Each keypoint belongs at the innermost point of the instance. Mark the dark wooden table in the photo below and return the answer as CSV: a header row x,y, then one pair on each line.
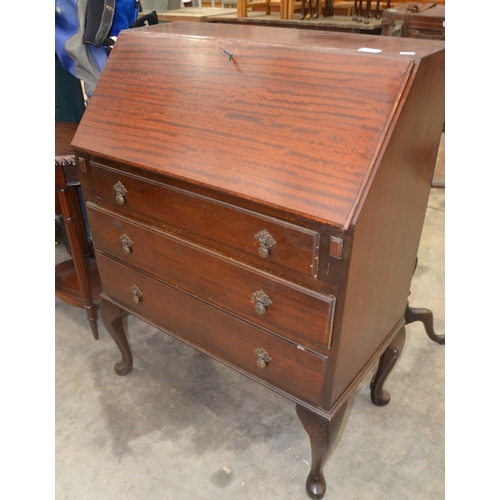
x,y
77,280
415,20
343,24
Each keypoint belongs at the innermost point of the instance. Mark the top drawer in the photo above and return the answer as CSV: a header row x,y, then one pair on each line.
x,y
264,237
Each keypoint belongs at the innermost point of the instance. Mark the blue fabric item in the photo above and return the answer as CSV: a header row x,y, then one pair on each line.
x,y
125,14
66,27
84,62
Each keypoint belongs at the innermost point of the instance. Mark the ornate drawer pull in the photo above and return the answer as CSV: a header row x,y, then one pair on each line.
x,y
126,244
120,193
263,357
261,301
266,241
136,294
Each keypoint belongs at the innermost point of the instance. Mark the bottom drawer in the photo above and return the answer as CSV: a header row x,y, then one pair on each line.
x,y
297,372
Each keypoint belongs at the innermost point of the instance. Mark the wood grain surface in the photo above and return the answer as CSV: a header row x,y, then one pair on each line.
x,y
298,371
258,125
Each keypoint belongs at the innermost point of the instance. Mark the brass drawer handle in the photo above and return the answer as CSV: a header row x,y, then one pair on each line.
x,y
136,294
263,357
261,301
266,241
120,193
126,244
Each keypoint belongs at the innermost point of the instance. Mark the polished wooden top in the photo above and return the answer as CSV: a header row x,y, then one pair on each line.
x,y
293,117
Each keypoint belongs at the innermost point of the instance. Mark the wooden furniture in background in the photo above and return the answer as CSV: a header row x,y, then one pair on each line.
x,y
310,9
242,6
270,215
341,24
415,20
193,14
76,280
341,8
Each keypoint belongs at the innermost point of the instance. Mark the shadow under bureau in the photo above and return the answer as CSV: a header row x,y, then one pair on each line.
x,y
259,194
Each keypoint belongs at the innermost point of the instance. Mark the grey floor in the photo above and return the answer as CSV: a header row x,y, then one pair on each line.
x,y
183,427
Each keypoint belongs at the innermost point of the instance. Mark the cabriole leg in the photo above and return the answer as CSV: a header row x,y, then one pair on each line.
x,y
413,314
322,434
379,395
114,318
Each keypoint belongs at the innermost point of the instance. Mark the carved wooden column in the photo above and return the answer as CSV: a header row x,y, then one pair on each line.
x,y
77,280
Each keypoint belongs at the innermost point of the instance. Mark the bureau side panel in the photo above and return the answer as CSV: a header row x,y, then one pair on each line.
x,y
386,231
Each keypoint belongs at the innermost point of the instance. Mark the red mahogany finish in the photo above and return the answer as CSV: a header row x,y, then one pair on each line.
x,y
260,193
77,279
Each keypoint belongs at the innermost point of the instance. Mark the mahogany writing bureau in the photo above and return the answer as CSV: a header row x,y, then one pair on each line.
x,y
259,193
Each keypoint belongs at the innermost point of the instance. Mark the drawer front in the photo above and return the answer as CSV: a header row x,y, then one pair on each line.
x,y
285,308
287,366
263,237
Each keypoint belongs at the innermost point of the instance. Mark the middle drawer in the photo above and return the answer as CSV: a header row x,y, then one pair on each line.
x,y
285,308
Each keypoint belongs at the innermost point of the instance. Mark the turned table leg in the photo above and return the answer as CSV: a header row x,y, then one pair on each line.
x,y
379,395
322,434
114,318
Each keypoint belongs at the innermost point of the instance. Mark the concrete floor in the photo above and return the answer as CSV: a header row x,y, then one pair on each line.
x,y
181,426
